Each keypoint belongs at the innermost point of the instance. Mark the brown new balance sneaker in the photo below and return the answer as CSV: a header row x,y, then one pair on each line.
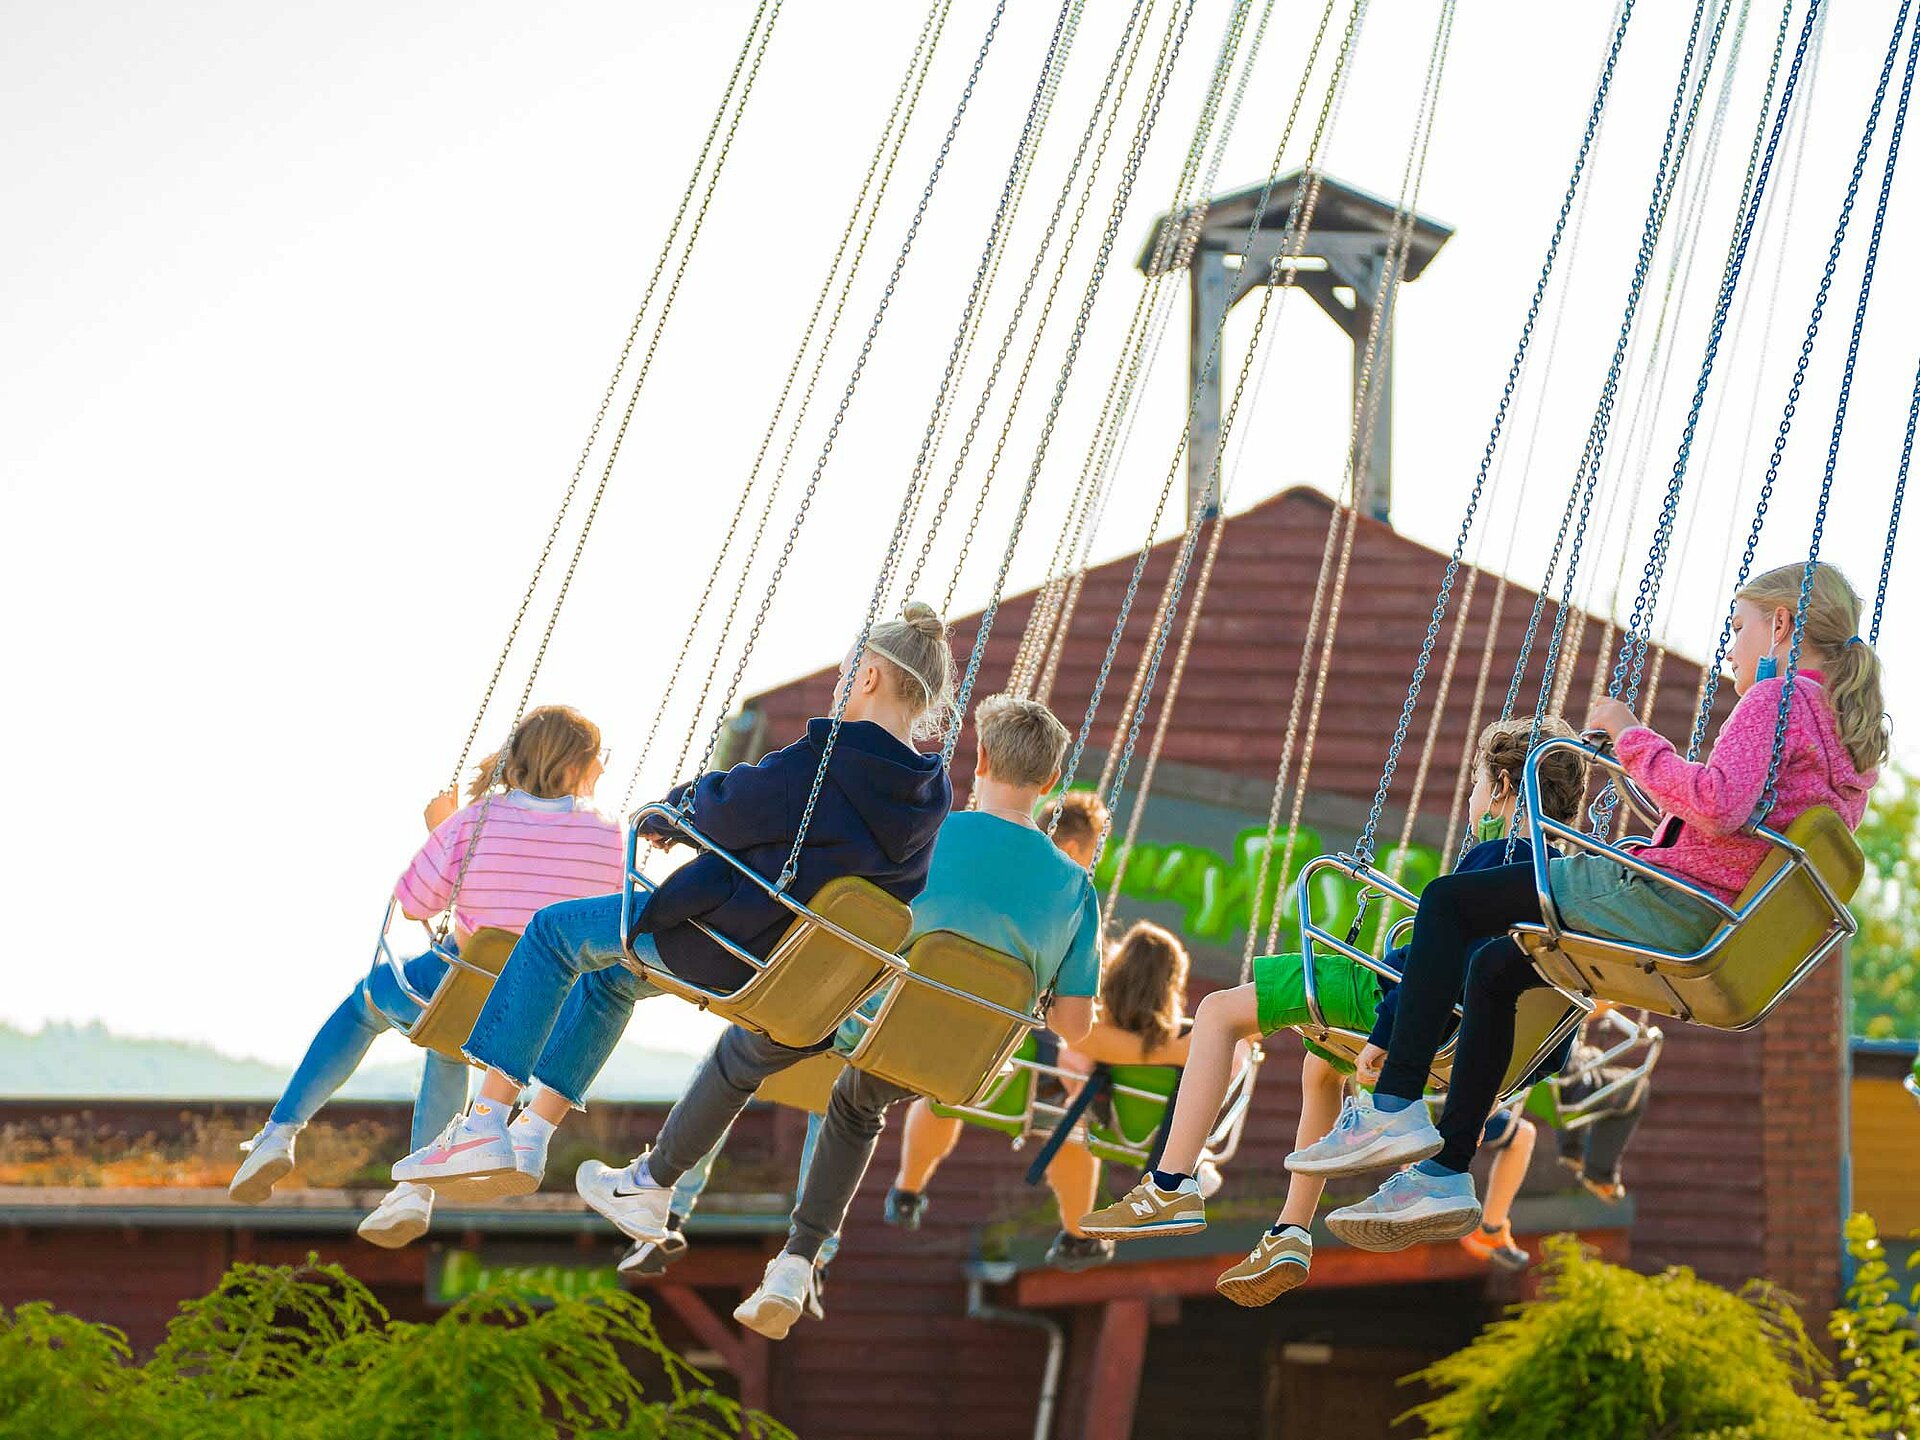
x,y
1277,1264
1148,1210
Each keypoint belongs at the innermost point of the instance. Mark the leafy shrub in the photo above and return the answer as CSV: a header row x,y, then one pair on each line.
x,y
1876,1391
310,1354
1606,1354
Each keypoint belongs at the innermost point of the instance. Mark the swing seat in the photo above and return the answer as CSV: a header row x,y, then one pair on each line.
x,y
838,950
1140,1095
1008,1103
806,1086
949,1024
448,1018
1790,916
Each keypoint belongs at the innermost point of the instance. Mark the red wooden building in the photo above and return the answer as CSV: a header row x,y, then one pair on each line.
x,y
1738,1170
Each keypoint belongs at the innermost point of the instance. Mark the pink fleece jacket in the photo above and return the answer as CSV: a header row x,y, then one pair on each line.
x,y
1699,837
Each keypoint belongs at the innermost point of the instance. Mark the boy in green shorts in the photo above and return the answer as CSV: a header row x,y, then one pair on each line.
x,y
1167,1200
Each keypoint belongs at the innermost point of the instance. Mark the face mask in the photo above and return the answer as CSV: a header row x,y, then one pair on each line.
x,y
1767,667
1491,827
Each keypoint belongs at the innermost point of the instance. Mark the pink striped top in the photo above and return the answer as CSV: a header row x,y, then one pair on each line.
x,y
532,852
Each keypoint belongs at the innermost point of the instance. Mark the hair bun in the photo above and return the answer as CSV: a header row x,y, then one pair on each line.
x,y
924,618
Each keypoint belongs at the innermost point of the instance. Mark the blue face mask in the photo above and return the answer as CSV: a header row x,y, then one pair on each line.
x,y
1767,667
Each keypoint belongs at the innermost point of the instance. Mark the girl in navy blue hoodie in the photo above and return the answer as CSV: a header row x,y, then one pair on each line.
x,y
564,998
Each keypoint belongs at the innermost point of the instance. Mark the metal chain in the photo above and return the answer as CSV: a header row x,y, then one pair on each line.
x,y
1164,64
606,473
906,101
613,386
792,865
1899,498
1146,550
1120,68
1594,113
1778,757
1801,365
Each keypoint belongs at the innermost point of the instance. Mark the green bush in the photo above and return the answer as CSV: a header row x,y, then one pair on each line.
x,y
1608,1354
310,1354
1876,1391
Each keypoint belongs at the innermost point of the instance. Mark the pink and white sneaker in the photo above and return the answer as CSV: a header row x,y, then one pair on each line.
x,y
529,1168
462,1152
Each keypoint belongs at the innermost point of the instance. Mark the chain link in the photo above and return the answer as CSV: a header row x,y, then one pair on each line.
x,y
1893,524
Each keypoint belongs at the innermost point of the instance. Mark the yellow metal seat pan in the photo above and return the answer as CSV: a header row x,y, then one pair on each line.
x,y
813,978
936,1044
1538,1021
447,1021
805,1086
1748,966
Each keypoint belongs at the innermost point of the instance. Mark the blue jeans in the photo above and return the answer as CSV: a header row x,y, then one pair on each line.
x,y
688,1189
562,1001
342,1042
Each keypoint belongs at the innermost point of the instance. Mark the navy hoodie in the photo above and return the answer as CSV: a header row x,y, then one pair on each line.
x,y
878,814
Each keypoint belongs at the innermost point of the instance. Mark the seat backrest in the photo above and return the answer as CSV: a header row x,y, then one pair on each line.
x,y
939,1045
1137,1118
1761,957
445,1024
805,1086
814,978
1540,1014
1007,1105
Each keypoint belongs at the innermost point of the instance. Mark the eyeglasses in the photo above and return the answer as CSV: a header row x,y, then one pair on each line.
x,y
606,756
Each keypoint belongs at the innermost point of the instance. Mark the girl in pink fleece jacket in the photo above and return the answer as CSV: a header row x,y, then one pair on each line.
x,y
1836,738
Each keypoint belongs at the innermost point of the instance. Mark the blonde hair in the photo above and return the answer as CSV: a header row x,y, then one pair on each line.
x,y
1503,749
1081,818
1024,741
1851,669
1143,985
550,748
914,654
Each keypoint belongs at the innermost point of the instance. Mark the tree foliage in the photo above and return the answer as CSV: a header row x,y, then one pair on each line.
x,y
1885,955
1875,1391
277,1353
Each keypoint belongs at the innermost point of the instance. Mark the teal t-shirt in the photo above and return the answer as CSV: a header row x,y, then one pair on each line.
x,y
1007,886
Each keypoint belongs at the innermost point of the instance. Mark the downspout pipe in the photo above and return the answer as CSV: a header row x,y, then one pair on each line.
x,y
979,1276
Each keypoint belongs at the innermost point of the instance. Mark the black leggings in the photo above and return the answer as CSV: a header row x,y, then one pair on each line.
x,y
1456,913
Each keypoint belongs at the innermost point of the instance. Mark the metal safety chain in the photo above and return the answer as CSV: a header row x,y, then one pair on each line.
x,y
1899,499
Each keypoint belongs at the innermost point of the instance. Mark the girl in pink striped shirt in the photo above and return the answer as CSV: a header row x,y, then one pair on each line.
x,y
1835,740
538,843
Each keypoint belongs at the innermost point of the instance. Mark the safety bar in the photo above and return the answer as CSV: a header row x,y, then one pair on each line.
x,y
1591,1107
660,977
1649,957
385,954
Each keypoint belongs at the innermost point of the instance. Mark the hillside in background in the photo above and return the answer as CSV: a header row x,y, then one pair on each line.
x,y
90,1061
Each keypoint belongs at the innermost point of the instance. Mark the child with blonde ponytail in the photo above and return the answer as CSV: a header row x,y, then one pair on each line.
x,y
1835,739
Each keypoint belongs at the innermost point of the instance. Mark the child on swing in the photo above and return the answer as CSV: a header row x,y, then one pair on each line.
x,y
541,842
564,996
1142,1021
1835,740
995,879
1167,1201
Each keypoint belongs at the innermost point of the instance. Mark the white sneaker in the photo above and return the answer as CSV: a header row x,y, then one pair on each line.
x,y
640,1211
401,1218
1410,1208
781,1298
529,1169
463,1151
1364,1138
269,1161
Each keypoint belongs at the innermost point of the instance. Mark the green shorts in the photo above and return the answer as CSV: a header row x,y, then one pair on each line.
x,y
1349,995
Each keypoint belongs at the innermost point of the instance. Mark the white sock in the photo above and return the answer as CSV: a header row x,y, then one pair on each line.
x,y
533,1127
281,1129
487,1117
641,1177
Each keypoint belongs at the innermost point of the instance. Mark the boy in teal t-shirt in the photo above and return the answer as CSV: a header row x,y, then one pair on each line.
x,y
996,879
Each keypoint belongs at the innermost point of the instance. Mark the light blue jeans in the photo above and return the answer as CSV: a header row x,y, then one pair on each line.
x,y
562,1001
342,1043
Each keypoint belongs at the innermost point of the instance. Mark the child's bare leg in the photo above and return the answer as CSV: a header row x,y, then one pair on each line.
x,y
1509,1170
1074,1177
1224,1019
926,1139
1320,1088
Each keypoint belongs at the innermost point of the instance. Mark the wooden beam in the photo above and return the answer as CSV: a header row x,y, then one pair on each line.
x,y
1333,1268
743,1352
1118,1357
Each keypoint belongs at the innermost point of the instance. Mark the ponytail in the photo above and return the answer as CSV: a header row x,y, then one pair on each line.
x,y
549,750
914,652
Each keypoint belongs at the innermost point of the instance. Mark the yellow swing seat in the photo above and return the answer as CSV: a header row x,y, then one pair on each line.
x,y
442,1021
1791,916
950,1021
1543,1020
837,951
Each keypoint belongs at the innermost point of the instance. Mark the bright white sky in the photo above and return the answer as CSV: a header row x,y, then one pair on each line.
x,y
306,312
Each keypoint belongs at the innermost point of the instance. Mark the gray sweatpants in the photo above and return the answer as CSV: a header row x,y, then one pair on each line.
x,y
721,1088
